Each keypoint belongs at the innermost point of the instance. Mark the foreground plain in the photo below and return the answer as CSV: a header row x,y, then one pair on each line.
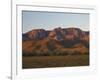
x,y
54,61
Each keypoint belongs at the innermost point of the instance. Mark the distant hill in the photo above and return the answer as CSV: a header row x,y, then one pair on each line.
x,y
59,41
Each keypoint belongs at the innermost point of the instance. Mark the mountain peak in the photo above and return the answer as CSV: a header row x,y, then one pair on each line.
x,y
58,34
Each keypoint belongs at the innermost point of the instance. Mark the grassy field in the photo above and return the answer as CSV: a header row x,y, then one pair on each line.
x,y
54,61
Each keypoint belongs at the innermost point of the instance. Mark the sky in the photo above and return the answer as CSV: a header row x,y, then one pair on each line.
x,y
50,20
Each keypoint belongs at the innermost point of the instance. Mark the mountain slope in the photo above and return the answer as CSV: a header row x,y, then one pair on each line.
x,y
57,41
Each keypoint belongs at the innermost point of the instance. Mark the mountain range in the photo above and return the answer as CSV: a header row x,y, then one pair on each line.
x,y
59,41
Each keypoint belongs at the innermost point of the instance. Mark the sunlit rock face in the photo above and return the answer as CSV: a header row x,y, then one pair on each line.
x,y
66,40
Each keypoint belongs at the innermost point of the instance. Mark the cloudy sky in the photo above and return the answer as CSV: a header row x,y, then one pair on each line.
x,y
50,20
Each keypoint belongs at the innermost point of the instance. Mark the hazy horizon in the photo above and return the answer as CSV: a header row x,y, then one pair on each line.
x,y
50,20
